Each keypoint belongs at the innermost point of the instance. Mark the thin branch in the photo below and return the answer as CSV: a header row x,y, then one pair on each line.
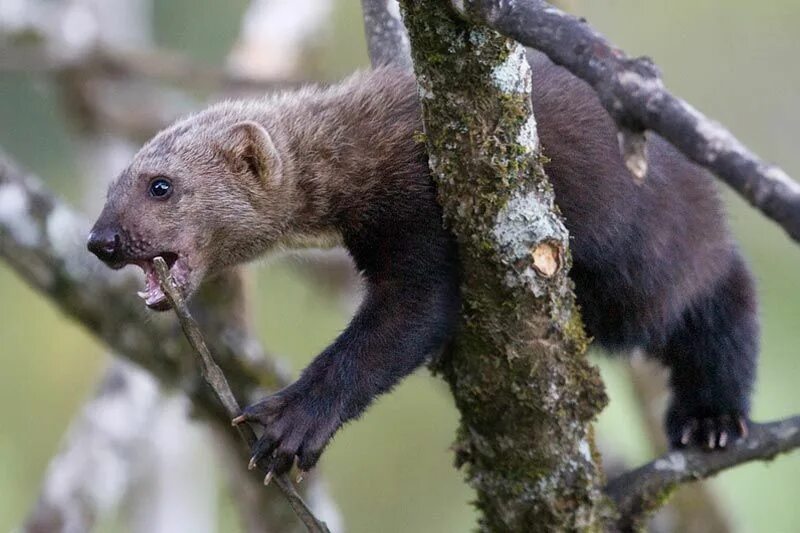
x,y
215,378
641,491
387,39
633,93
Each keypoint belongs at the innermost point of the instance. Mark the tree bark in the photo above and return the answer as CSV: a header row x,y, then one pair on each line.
x,y
518,372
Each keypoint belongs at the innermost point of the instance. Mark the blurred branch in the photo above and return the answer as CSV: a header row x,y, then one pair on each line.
x,y
42,240
215,378
118,460
274,38
641,491
93,467
634,95
278,38
86,74
110,86
121,92
155,65
387,39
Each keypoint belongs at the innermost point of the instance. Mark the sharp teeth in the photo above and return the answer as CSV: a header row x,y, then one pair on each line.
x,y
152,293
154,296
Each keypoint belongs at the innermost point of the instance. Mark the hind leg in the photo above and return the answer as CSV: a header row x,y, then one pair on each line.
x,y
712,355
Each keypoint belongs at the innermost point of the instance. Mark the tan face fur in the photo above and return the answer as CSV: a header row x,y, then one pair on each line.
x,y
291,170
221,173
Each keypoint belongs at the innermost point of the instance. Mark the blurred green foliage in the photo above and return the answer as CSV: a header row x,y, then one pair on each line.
x,y
735,60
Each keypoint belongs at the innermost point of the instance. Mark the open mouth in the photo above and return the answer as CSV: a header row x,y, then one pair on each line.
x,y
152,294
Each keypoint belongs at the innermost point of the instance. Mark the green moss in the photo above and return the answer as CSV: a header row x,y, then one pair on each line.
x,y
517,370
651,505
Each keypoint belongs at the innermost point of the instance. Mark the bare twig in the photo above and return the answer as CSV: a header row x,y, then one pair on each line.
x,y
641,491
215,378
632,92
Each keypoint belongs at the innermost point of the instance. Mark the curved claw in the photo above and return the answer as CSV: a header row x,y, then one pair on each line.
x,y
295,430
688,431
744,430
715,432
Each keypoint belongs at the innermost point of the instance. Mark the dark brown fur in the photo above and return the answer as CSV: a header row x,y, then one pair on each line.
x,y
654,267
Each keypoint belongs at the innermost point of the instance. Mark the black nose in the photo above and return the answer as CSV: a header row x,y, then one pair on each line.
x,y
105,244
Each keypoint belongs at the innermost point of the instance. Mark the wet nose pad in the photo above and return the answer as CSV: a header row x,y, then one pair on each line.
x,y
105,245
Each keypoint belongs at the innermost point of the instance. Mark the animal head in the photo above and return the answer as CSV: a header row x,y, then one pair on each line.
x,y
203,194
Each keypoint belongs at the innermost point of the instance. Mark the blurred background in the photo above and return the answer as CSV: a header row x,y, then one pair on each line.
x,y
736,61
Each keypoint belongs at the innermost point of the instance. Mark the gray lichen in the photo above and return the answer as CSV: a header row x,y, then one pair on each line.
x,y
526,220
528,135
674,462
513,75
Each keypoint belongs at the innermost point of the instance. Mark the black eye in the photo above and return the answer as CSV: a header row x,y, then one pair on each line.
x,y
160,187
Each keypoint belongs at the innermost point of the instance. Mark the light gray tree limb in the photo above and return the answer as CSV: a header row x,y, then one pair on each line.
x,y
110,64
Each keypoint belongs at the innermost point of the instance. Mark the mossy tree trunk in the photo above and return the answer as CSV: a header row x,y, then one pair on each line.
x,y
518,372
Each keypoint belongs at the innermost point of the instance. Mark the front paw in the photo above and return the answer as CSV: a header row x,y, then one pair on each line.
x,y
710,432
296,425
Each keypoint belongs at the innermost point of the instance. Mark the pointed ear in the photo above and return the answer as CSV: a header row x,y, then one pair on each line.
x,y
248,143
